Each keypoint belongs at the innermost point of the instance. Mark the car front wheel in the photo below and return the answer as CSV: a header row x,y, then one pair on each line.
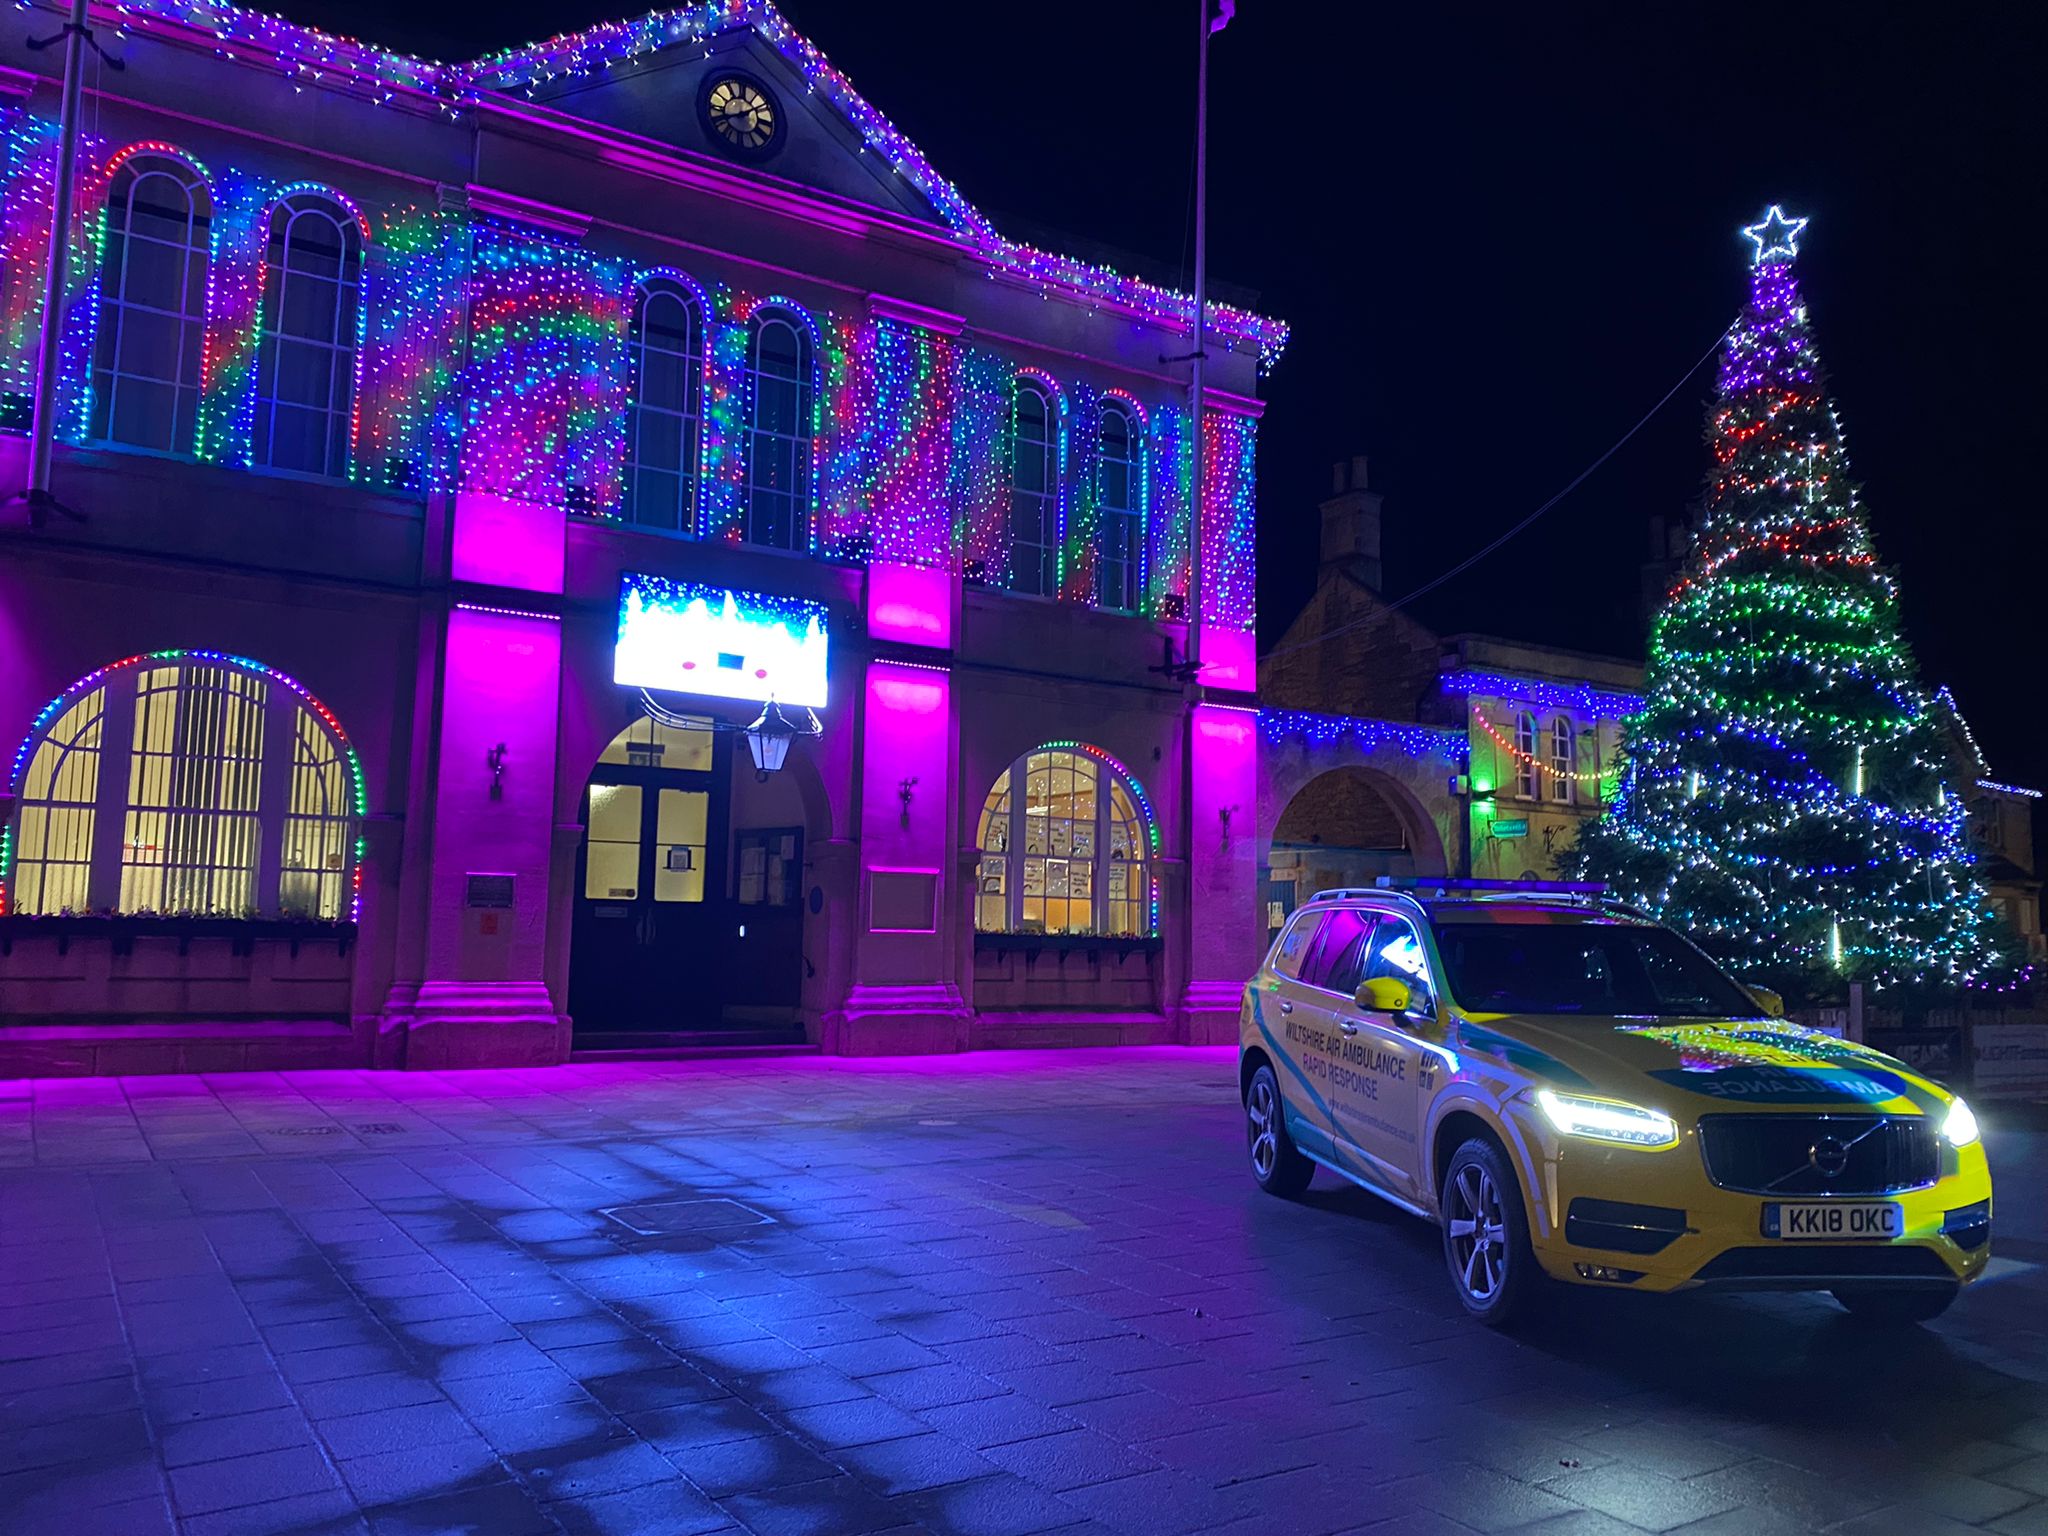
x,y
1277,1163
1486,1233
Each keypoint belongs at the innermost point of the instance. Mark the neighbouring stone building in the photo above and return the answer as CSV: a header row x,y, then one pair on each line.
x,y
1391,749
456,459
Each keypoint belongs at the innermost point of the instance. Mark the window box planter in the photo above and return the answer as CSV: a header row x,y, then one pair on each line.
x,y
1121,946
121,930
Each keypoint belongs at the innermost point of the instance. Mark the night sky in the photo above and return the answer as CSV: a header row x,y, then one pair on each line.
x,y
1501,233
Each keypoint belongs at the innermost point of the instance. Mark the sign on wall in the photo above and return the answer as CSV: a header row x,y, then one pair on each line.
x,y
2010,1058
689,637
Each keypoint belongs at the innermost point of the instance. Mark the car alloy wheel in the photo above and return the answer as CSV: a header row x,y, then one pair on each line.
x,y
1277,1162
1478,1232
1262,1109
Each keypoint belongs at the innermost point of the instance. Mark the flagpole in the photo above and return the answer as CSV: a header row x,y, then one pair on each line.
x,y
43,423
1195,606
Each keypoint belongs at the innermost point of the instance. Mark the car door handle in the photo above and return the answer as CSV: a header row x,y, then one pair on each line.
x,y
1347,1026
1285,1006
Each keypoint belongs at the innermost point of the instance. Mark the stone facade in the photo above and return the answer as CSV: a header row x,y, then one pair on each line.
x,y
1415,753
435,609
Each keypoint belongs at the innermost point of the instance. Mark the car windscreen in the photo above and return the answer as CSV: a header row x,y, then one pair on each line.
x,y
1592,968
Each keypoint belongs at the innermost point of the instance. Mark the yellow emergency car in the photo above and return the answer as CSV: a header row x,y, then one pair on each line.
x,y
1572,1090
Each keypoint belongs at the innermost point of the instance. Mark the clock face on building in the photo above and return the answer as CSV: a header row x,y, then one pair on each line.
x,y
741,116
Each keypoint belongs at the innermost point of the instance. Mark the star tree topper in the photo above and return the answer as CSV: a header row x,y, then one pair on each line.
x,y
1774,235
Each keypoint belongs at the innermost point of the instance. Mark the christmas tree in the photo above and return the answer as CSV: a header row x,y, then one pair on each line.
x,y
1783,799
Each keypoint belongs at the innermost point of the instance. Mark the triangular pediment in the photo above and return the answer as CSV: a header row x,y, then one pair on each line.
x,y
643,76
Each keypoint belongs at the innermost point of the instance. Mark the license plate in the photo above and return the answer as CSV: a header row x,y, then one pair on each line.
x,y
1834,1221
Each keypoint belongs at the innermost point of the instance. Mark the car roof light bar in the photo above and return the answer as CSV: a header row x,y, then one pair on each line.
x,y
1513,887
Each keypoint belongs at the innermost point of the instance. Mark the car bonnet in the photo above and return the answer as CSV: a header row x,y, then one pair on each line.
x,y
1695,1066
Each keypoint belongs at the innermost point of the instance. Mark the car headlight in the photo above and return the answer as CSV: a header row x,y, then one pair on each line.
x,y
1960,1126
1607,1120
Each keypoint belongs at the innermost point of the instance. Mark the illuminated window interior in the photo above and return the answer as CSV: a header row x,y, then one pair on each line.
x,y
1563,758
59,802
1069,855
650,743
186,786
195,772
1526,776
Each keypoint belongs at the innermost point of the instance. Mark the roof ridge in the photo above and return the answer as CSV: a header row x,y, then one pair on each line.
x,y
307,53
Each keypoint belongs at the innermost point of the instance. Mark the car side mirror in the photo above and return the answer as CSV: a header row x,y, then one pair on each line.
x,y
1384,994
1771,1002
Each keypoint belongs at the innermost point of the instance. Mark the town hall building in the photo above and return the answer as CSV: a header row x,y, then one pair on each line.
x,y
595,545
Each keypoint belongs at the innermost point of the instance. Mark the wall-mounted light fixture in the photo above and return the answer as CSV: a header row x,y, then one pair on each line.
x,y
768,738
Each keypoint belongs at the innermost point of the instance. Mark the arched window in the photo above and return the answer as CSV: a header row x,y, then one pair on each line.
x,y
1525,756
1118,519
780,423
1066,848
1034,491
152,305
665,407
186,782
1563,758
306,357
53,836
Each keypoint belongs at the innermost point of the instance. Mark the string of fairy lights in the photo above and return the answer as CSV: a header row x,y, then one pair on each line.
x,y
1787,797
311,59
1544,766
490,356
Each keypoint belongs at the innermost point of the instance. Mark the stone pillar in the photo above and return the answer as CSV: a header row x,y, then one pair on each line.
x,y
907,922
481,996
1226,931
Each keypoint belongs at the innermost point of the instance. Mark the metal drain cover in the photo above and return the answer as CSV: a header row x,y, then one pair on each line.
x,y
693,1218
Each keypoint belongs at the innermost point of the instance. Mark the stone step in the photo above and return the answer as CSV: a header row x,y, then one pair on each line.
x,y
1036,1030
688,1044
694,1052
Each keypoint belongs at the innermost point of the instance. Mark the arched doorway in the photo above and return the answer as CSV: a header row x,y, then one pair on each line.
x,y
1346,827
689,894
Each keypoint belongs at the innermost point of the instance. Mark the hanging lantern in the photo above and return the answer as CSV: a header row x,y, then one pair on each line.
x,y
768,738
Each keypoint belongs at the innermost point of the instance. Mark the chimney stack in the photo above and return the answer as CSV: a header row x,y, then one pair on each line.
x,y
1351,525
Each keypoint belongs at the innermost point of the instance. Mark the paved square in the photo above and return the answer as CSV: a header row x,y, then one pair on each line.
x,y
990,1295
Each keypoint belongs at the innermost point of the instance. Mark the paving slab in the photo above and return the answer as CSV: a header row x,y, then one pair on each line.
x,y
999,1295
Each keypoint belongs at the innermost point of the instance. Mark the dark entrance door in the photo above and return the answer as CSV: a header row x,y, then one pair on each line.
x,y
766,962
652,914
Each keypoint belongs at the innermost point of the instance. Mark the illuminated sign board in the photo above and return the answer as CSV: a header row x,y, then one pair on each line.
x,y
1511,826
690,637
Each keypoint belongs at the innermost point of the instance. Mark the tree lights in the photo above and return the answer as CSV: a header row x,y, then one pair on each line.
x,y
1785,798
